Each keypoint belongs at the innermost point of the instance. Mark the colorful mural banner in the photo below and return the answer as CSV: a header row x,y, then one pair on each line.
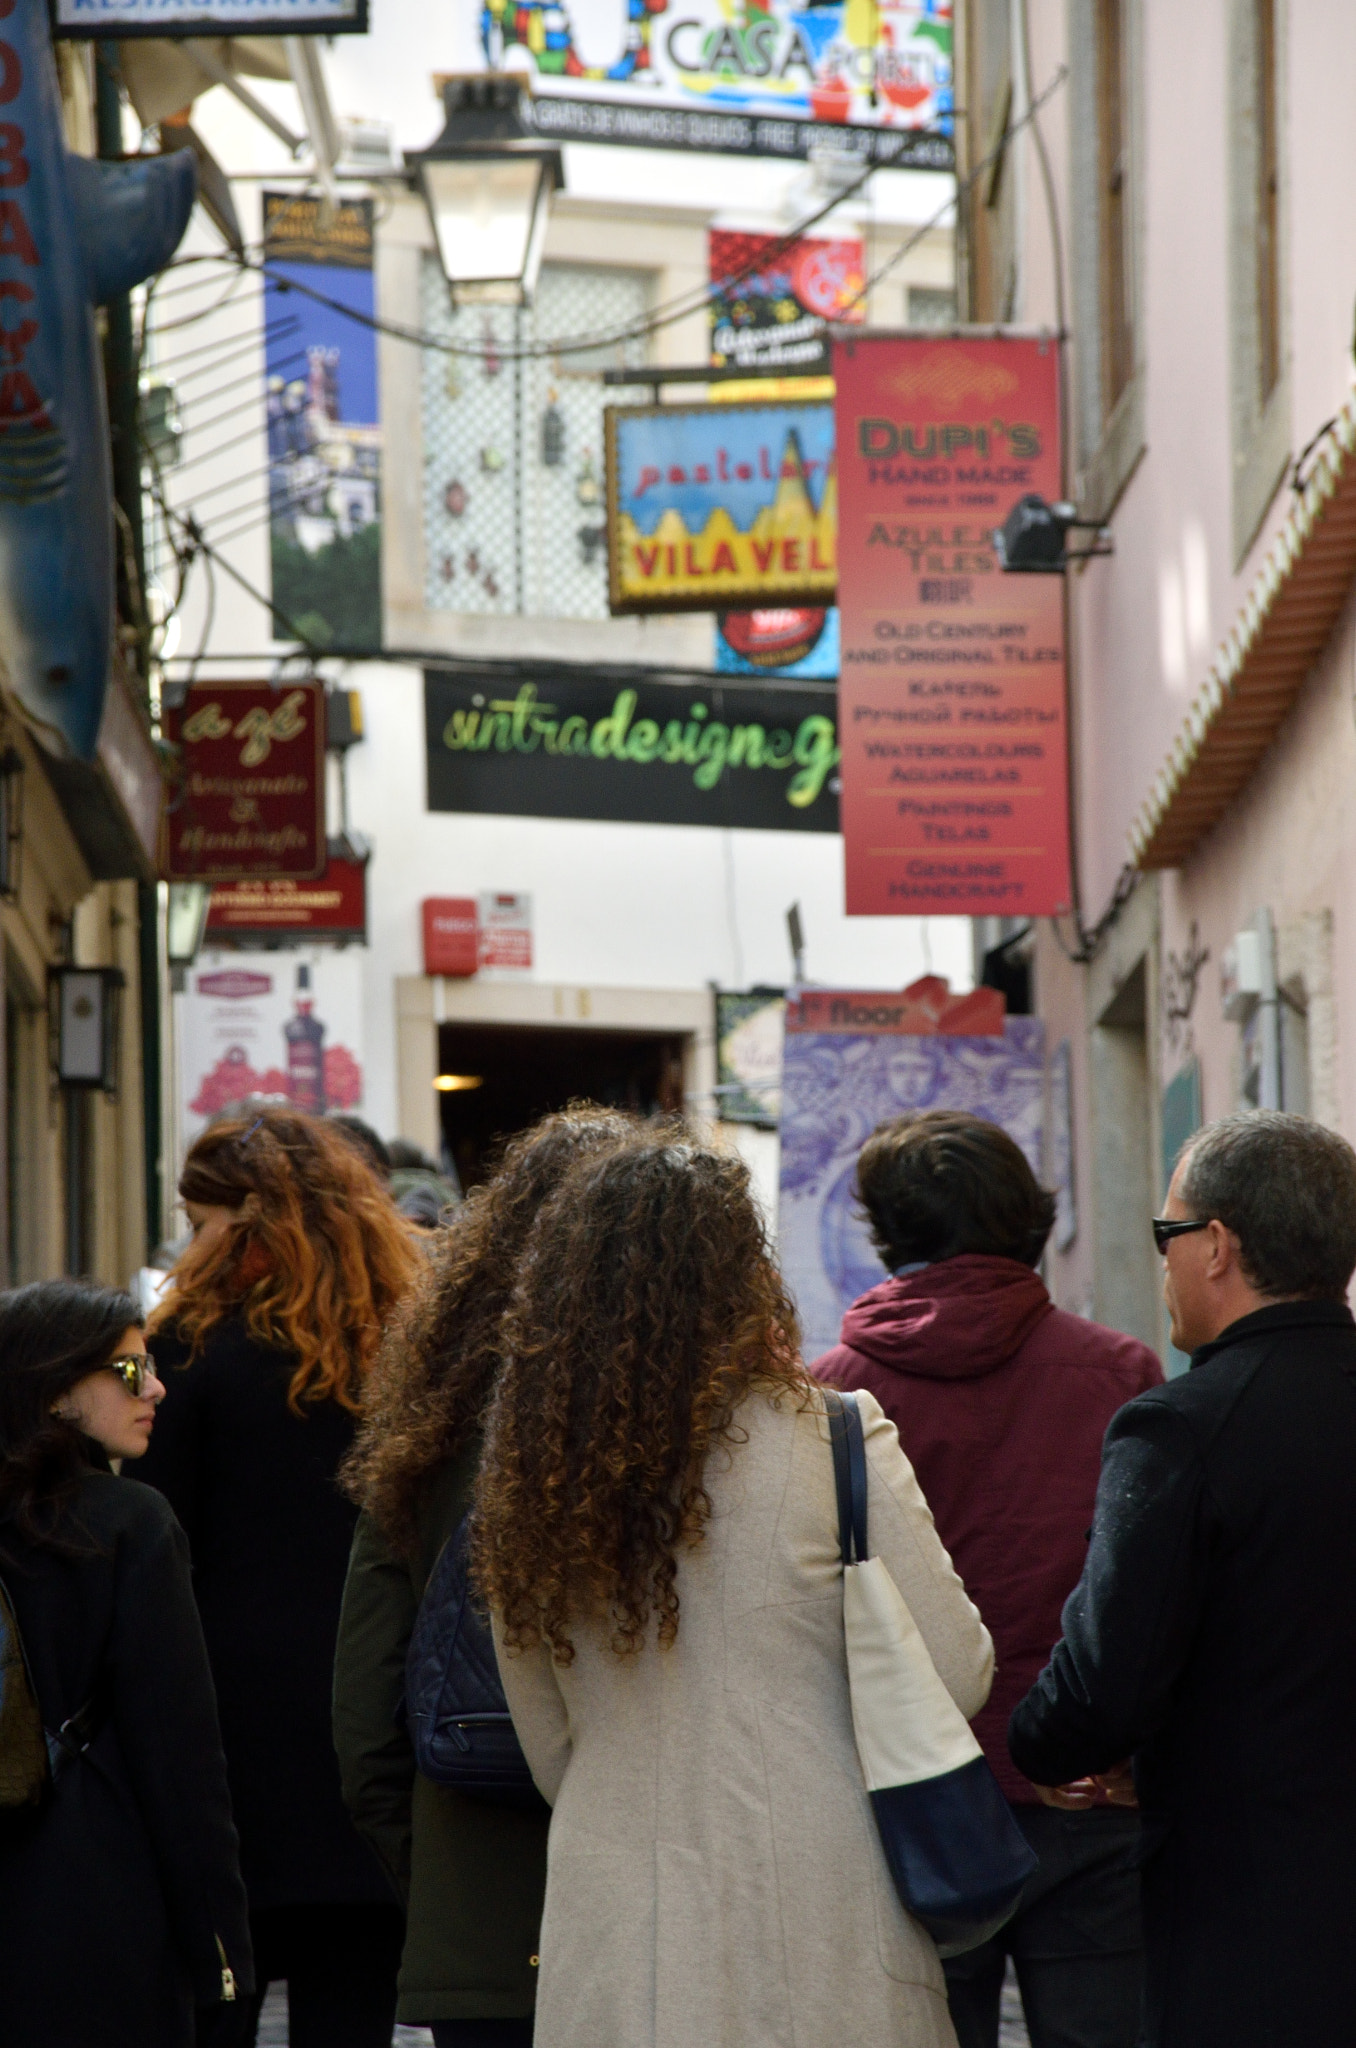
x,y
770,320
324,433
778,640
884,65
952,680
715,505
837,1085
179,18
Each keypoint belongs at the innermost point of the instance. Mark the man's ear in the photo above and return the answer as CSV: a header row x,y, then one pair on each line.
x,y
1223,1251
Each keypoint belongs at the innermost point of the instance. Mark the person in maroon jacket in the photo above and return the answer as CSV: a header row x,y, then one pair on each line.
x,y
1001,1401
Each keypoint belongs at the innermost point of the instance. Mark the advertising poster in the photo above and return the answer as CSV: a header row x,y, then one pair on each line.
x,y
749,1056
838,1083
283,1025
324,433
246,782
177,18
952,691
717,505
635,745
770,321
778,640
733,74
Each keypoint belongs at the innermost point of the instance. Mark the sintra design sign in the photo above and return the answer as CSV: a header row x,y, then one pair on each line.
x,y
654,750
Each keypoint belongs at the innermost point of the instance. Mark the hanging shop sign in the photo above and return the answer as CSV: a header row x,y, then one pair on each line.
x,y
279,911
324,426
247,789
717,505
747,76
74,233
952,683
175,19
771,320
635,745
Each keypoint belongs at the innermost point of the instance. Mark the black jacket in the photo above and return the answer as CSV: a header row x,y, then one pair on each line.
x,y
255,1487
114,1895
1213,1637
472,1874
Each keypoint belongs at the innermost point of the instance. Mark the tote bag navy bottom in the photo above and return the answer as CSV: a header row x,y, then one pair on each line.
x,y
958,1858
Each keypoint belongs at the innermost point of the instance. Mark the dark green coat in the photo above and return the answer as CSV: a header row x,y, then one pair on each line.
x,y
472,1874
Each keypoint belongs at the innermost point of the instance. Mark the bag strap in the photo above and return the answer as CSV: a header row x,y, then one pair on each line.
x,y
849,1472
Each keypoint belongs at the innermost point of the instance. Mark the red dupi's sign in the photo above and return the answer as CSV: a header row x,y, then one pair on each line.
x,y
952,717
247,791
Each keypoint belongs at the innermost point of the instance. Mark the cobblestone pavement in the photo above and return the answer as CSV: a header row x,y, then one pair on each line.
x,y
273,2024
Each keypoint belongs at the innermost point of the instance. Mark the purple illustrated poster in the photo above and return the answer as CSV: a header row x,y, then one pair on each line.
x,y
837,1085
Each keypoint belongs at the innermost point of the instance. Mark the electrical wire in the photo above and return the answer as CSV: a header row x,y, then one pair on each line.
x,y
189,526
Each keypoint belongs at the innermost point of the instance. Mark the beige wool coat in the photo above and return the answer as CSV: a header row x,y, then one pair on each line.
x,y
714,1877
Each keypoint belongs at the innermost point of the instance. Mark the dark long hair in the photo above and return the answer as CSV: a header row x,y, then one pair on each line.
x,y
53,1334
647,1308
426,1395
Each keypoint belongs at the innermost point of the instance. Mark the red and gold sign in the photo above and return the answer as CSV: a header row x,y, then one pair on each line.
x,y
247,790
951,695
269,908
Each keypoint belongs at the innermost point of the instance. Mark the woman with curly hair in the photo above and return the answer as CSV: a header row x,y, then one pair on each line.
x,y
472,1874
265,1343
656,1531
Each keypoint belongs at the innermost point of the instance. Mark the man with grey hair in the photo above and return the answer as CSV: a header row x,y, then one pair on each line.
x,y
1208,1661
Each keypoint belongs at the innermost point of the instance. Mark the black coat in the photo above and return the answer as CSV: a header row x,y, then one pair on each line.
x,y
1213,1636
255,1487
114,1894
472,1873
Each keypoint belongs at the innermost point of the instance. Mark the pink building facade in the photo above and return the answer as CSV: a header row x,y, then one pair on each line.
x,y
1179,206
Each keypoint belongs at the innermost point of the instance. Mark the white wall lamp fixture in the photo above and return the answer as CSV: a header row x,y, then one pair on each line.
x,y
85,1016
487,183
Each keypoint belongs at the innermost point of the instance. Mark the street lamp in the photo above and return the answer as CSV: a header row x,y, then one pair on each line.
x,y
487,182
1031,540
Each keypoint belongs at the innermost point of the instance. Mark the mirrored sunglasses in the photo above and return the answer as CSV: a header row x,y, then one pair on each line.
x,y
134,1370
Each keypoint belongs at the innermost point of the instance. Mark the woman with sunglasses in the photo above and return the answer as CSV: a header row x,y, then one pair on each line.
x,y
264,1342
121,1905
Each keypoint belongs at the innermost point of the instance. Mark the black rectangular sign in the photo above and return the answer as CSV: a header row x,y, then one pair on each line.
x,y
634,744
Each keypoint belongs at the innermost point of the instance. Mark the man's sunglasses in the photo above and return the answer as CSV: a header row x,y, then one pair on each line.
x,y
1166,1228
134,1370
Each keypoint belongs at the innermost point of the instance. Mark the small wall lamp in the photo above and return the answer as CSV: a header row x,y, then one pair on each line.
x,y
85,1016
1031,540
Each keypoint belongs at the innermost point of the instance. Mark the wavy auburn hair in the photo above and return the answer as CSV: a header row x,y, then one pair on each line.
x,y
314,1261
647,1308
427,1393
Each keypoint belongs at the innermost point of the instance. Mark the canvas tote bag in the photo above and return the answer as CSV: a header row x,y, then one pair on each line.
x,y
957,1856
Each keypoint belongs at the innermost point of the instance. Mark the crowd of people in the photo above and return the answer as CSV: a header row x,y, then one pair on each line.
x,y
217,1532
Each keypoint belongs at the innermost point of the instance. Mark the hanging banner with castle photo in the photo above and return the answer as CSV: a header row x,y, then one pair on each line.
x,y
757,77
716,505
324,432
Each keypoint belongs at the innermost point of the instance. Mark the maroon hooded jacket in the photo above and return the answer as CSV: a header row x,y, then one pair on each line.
x,y
1001,1400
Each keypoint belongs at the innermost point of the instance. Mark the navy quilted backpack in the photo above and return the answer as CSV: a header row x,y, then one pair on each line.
x,y
455,1708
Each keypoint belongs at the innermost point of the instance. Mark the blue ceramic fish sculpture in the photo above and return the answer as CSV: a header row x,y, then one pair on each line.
x,y
74,233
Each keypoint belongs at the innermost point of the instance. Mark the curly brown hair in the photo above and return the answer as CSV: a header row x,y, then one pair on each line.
x,y
647,1308
315,1260
427,1393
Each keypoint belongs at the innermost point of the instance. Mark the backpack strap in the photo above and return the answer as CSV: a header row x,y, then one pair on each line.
x,y
849,1472
67,1744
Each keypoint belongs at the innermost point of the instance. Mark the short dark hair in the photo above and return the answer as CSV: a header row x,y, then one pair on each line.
x,y
363,1139
939,1182
1286,1187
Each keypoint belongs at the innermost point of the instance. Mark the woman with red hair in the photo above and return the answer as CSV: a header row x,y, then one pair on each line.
x,y
264,1342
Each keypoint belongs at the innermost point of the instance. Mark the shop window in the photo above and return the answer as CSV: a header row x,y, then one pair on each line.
x,y
1104,41
1259,380
931,306
1294,1031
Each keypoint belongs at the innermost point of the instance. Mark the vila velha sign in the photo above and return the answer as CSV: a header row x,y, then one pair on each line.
x,y
633,744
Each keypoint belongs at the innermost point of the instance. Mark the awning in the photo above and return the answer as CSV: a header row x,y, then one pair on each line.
x,y
1282,629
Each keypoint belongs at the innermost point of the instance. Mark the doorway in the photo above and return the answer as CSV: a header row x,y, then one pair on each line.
x,y
496,1079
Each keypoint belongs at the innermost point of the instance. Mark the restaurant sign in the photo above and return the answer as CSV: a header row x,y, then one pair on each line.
x,y
178,18
712,506
633,744
247,784
952,689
